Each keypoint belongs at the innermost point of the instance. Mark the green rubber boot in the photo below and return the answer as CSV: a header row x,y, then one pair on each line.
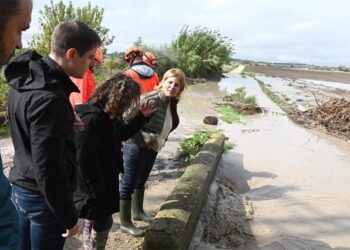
x,y
126,224
137,206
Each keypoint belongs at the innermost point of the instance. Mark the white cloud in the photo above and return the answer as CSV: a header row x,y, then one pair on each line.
x,y
293,30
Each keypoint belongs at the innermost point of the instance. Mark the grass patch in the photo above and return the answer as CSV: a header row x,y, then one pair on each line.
x,y
229,146
246,74
180,172
4,130
275,98
191,146
240,95
229,115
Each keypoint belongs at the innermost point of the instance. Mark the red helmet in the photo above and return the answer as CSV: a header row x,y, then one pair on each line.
x,y
150,59
131,53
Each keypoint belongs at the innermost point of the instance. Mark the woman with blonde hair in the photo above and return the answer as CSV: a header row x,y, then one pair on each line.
x,y
141,150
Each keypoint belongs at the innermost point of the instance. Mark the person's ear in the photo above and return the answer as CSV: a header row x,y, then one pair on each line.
x,y
71,53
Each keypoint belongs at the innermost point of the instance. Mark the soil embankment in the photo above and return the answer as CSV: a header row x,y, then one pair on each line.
x,y
330,76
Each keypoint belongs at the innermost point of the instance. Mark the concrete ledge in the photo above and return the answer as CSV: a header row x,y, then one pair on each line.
x,y
177,218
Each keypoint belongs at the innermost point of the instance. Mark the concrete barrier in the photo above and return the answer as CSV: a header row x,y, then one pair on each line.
x,y
177,219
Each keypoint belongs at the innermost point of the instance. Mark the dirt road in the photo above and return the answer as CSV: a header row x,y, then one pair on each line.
x,y
239,69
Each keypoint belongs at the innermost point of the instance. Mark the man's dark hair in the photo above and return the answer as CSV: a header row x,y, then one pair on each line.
x,y
8,8
76,35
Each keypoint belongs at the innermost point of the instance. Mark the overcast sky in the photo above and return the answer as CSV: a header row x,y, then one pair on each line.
x,y
300,31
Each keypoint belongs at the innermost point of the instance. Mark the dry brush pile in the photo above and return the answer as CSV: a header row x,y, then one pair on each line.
x,y
333,115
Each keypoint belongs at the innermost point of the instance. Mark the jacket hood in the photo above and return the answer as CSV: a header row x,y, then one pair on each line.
x,y
31,71
143,69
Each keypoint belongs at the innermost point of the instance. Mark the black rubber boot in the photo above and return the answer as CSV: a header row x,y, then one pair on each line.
x,y
137,206
126,224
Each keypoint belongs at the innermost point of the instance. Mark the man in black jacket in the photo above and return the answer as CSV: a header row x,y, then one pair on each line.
x,y
15,17
41,123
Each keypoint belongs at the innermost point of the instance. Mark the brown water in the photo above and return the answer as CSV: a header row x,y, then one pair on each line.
x,y
297,181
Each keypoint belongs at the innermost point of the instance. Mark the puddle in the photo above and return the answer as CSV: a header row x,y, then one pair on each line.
x,y
296,179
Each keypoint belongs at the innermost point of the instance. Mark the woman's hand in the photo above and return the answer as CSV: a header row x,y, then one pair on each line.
x,y
147,107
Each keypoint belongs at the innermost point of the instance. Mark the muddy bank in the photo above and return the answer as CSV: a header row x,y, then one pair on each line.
x,y
330,76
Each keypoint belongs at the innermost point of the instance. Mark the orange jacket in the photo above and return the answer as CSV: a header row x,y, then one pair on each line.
x,y
147,84
86,85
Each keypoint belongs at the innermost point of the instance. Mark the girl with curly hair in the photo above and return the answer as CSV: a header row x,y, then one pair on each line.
x,y
99,156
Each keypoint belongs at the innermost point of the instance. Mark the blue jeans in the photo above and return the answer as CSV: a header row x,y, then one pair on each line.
x,y
39,228
138,163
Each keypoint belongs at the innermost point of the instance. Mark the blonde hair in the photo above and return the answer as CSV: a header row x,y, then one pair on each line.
x,y
179,74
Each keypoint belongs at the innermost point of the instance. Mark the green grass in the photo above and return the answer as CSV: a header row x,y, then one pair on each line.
x,y
250,100
229,146
240,95
275,98
4,131
229,115
246,74
191,146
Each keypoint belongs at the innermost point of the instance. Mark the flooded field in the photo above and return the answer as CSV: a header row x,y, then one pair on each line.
x,y
331,76
291,184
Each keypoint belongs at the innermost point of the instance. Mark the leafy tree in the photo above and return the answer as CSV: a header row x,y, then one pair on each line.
x,y
164,58
201,52
55,13
4,87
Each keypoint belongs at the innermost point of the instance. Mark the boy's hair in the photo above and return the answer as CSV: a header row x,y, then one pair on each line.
x,y
76,35
8,8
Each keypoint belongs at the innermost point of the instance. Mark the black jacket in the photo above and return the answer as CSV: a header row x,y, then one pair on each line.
x,y
41,123
100,160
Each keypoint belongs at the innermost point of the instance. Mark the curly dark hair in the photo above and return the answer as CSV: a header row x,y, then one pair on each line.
x,y
116,95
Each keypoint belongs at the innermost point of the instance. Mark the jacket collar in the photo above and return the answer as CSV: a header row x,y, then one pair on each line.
x,y
56,70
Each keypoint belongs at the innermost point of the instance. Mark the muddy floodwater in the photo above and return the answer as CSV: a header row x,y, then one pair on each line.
x,y
281,187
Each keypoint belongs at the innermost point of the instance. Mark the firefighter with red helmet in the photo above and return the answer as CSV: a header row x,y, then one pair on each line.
x,y
141,69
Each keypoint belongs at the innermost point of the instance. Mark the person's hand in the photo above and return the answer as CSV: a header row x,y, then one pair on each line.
x,y
71,232
78,125
147,107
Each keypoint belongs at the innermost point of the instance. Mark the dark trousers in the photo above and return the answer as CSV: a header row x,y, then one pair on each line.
x,y
138,163
9,228
39,228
